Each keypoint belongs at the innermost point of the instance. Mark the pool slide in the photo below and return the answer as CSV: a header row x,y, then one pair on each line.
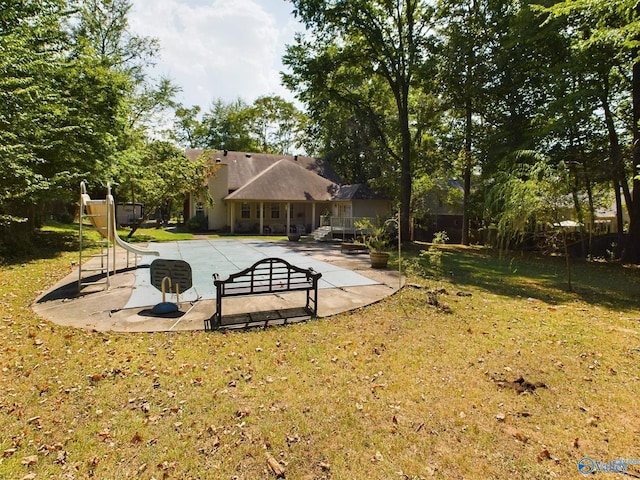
x,y
97,213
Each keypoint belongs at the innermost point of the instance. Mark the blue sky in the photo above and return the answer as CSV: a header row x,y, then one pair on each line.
x,y
213,49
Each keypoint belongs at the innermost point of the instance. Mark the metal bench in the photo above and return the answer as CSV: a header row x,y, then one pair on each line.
x,y
267,276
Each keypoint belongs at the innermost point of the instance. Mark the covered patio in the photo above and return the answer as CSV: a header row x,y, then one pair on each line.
x,y
284,198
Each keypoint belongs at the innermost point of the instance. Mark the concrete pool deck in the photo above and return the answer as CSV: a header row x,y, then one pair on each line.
x,y
348,283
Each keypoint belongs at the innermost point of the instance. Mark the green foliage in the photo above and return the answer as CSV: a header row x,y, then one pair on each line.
x,y
159,175
188,131
429,192
530,194
277,125
70,73
432,269
434,253
358,50
375,235
30,104
269,125
226,127
197,224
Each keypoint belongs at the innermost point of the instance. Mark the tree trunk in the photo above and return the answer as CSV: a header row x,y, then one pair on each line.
x,y
631,251
405,176
619,207
567,259
618,175
466,176
592,213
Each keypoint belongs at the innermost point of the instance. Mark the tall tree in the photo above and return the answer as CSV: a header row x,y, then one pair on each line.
x,y
187,130
103,26
464,74
389,39
226,126
614,25
161,177
58,107
277,124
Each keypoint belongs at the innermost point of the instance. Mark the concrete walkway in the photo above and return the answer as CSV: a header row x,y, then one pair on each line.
x,y
105,310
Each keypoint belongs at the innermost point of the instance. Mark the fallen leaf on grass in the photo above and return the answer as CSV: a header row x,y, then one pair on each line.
x,y
377,457
30,460
293,439
521,437
275,466
165,465
243,412
35,420
61,458
9,451
543,455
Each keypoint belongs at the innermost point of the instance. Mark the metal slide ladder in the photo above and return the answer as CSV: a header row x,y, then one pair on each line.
x,y
107,261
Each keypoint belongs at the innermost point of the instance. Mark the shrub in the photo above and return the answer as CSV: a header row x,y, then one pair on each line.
x,y
198,224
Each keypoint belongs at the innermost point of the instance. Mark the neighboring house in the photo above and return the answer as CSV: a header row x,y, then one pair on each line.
x,y
606,220
263,193
441,209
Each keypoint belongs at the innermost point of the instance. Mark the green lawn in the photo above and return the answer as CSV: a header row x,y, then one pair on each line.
x,y
399,389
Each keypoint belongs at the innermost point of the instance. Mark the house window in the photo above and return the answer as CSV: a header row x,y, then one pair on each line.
x,y
200,210
275,210
245,210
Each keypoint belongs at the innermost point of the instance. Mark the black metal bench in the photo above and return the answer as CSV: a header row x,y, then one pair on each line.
x,y
267,276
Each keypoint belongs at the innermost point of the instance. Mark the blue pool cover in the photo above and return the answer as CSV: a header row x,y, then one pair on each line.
x,y
225,257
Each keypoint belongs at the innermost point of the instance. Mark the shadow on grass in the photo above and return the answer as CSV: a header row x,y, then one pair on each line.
x,y
56,238
43,245
544,278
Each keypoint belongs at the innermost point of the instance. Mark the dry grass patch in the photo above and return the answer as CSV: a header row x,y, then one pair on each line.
x,y
395,390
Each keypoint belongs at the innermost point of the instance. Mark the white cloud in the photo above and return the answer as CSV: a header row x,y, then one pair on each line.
x,y
214,49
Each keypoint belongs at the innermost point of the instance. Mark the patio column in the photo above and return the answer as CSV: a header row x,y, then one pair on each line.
x,y
261,218
313,216
288,214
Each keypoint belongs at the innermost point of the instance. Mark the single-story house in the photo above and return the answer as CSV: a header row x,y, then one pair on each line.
x,y
264,193
441,209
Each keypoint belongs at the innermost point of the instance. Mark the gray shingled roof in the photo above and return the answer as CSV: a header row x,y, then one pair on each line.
x,y
286,181
243,167
357,191
261,176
